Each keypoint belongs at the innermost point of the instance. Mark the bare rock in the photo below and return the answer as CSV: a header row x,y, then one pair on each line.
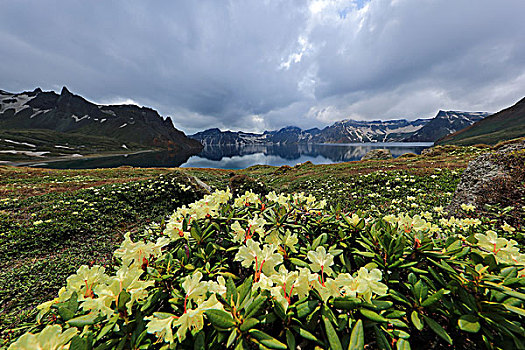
x,y
493,178
242,183
378,154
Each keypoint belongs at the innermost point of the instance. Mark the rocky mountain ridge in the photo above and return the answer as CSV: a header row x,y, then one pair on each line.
x,y
351,131
68,113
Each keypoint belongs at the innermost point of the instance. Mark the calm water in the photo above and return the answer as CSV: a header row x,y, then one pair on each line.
x,y
237,157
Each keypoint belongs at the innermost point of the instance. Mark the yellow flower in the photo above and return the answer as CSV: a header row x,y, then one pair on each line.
x,y
51,338
321,260
304,282
194,288
84,281
368,283
238,232
347,284
284,285
507,228
264,283
193,319
125,279
136,254
490,241
468,207
327,289
355,220
160,324
265,260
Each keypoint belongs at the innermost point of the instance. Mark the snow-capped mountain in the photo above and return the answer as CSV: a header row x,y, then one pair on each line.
x,y
348,131
351,131
71,114
345,131
446,123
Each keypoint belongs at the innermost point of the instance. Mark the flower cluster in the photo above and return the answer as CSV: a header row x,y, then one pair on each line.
x,y
222,266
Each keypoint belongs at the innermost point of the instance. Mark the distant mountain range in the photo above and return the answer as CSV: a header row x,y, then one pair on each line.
x,y
351,131
504,125
67,117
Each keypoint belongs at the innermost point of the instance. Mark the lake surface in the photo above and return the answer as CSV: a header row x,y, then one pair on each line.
x,y
240,157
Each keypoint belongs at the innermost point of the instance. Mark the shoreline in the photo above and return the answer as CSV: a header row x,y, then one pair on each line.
x,y
70,157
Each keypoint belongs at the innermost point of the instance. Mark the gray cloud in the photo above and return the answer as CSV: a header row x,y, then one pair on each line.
x,y
256,65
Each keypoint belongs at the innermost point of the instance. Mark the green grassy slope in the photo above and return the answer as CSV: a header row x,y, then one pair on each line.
x,y
504,125
68,144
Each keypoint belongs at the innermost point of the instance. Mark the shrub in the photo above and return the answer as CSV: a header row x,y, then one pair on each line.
x,y
285,271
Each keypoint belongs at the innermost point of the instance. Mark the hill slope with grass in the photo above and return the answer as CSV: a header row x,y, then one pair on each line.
x,y
504,125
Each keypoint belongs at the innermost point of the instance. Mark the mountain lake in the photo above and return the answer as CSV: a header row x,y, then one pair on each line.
x,y
240,157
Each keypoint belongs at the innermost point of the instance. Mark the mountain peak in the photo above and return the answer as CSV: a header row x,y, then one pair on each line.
x,y
65,91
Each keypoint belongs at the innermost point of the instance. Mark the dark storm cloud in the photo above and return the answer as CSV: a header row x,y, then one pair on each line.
x,y
266,64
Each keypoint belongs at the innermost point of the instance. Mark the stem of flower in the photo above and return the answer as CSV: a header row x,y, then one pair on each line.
x,y
185,302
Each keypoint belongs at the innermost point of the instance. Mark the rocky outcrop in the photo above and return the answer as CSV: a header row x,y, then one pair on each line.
x,y
497,177
242,183
378,154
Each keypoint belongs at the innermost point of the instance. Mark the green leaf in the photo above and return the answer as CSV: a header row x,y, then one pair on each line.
x,y
371,315
231,338
515,309
331,334
108,327
382,304
469,323
72,303
402,344
347,303
66,313
357,339
248,324
220,319
416,320
267,340
244,289
317,241
298,262
199,341
438,329
255,306
152,300
78,343
231,291
306,334
420,291
123,298
290,339
194,231
382,342
84,320
306,308
365,254
241,345
433,298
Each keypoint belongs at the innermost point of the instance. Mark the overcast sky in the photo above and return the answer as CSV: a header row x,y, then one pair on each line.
x,y
265,64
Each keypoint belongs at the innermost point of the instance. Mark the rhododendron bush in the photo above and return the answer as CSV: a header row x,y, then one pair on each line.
x,y
286,271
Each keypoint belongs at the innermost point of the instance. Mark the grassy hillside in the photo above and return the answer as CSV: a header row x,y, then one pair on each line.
x,y
53,144
504,125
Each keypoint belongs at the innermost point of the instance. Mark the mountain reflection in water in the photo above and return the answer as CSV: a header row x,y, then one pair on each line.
x,y
240,157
